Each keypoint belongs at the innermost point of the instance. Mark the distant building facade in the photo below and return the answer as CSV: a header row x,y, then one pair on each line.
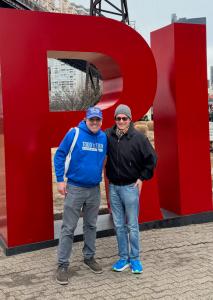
x,y
63,79
61,6
211,77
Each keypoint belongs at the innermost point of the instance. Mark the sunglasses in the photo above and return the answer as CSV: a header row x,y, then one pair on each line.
x,y
121,118
95,120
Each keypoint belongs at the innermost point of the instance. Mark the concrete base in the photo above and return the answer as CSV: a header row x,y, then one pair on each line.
x,y
105,228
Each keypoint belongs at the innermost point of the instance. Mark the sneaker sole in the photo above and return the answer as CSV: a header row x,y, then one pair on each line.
x,y
122,269
137,272
62,282
96,272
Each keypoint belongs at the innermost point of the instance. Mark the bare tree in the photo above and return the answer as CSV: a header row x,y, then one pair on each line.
x,y
80,100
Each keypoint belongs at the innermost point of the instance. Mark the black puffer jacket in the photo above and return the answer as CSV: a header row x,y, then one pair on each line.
x,y
130,157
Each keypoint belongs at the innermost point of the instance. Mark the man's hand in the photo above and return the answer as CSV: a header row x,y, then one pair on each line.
x,y
139,184
61,187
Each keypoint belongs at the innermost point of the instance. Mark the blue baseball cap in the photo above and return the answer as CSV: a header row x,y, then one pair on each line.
x,y
93,112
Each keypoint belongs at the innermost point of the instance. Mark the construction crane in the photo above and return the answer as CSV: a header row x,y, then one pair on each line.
x,y
111,10
96,9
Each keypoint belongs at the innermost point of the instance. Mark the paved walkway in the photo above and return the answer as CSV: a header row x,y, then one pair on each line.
x,y
178,264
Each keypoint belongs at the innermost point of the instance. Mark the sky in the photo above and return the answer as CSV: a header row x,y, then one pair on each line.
x,y
150,15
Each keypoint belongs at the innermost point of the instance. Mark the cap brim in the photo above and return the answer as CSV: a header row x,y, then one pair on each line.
x,y
94,116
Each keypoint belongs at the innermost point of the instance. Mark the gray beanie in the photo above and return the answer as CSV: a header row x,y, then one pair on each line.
x,y
123,109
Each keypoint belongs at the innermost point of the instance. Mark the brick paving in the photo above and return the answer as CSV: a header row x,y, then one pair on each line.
x,y
178,264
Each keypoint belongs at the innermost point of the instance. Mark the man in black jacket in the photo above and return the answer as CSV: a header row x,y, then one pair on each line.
x,y
131,159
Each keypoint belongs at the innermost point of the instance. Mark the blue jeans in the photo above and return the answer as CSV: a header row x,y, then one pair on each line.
x,y
124,201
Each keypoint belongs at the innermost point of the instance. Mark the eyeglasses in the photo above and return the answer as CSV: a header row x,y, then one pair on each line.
x,y
121,118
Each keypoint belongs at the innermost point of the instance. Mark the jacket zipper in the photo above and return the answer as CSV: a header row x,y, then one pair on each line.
x,y
96,143
117,158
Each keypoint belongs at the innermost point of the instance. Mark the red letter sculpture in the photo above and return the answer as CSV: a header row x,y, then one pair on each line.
x,y
28,129
181,119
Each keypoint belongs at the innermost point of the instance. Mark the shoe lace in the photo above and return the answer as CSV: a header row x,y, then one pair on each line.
x,y
121,262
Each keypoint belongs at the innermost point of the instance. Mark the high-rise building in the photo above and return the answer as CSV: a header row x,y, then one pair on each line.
x,y
61,6
211,77
174,19
63,78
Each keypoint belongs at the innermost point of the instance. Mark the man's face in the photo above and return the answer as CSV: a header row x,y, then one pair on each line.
x,y
94,124
122,121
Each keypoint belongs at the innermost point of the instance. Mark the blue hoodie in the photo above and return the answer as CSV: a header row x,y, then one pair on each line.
x,y
85,169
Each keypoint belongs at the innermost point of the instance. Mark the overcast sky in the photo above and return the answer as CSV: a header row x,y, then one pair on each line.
x,y
154,14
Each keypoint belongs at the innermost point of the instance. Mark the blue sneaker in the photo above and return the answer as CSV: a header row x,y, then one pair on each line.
x,y
136,266
120,265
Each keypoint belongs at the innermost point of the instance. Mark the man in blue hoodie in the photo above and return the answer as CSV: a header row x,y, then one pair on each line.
x,y
82,190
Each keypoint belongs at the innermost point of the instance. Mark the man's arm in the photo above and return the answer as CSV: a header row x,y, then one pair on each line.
x,y
61,188
149,160
139,184
59,160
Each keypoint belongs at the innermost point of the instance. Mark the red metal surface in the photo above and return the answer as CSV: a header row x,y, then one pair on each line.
x,y
3,213
181,118
149,209
29,129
